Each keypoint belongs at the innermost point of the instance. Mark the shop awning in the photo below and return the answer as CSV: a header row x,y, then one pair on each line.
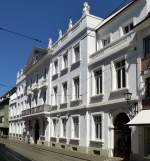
x,y
141,119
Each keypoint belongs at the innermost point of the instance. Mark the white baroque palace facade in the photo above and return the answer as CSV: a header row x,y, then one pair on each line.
x,y
72,95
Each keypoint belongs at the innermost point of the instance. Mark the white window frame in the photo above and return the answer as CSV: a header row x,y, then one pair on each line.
x,y
54,130
72,127
73,56
74,89
63,93
62,128
93,135
63,60
55,97
114,75
93,83
55,71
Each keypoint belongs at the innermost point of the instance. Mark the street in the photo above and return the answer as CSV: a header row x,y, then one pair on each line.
x,y
15,151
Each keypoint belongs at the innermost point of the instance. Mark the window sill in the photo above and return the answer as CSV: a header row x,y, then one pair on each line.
x,y
64,71
96,143
62,139
53,138
74,141
96,98
119,93
54,107
76,102
63,105
55,76
75,65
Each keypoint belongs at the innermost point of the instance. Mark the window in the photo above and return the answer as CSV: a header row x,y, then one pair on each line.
x,y
76,88
147,46
65,61
56,67
55,95
37,78
98,81
128,28
76,53
54,121
64,92
147,142
120,74
44,96
147,85
106,41
75,127
1,119
97,126
64,122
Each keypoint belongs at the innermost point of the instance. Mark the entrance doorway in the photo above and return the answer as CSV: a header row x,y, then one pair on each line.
x,y
122,136
36,131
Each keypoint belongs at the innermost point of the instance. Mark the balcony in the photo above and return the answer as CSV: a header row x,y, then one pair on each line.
x,y
41,109
43,84
145,67
35,87
29,91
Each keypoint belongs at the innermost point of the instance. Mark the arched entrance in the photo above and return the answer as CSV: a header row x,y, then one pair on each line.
x,y
122,136
36,131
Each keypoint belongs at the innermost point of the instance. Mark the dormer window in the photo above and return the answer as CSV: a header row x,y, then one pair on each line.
x,y
56,67
106,41
76,53
128,28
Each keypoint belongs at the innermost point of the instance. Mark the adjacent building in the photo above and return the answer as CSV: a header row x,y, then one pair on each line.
x,y
72,94
4,113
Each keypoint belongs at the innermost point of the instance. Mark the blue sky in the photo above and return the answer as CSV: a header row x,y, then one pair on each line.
x,y
40,19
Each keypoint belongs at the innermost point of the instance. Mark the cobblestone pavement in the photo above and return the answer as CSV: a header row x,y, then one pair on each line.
x,y
16,151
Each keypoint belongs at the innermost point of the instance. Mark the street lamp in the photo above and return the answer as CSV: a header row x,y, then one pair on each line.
x,y
132,106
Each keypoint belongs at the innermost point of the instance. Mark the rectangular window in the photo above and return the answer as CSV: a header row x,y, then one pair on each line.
x,y
65,60
75,127
98,126
128,28
37,78
64,122
54,134
64,92
147,142
77,53
44,96
55,95
56,67
106,41
147,46
76,88
147,85
120,74
98,81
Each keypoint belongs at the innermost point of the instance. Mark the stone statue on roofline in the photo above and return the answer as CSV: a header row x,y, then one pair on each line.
x,y
86,9
70,24
50,42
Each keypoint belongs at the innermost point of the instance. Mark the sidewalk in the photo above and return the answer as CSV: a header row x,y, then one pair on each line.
x,y
76,155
